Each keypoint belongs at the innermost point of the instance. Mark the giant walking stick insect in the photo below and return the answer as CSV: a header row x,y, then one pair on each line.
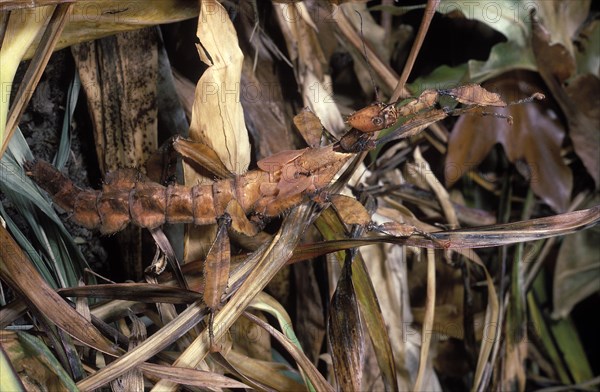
x,y
243,203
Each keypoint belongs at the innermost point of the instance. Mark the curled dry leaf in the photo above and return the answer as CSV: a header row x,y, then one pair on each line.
x,y
345,333
217,114
535,137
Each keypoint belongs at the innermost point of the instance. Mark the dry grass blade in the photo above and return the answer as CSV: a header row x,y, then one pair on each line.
x,y
428,321
424,171
482,237
319,383
93,19
266,303
194,377
35,69
142,292
529,230
17,271
156,343
331,227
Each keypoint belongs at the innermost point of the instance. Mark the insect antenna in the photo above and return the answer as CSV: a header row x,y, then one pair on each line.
x,y
369,67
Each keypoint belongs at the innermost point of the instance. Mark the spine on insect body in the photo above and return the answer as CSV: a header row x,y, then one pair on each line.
x,y
128,197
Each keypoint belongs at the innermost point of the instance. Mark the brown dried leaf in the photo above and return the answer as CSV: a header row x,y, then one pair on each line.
x,y
267,112
345,334
579,101
187,376
535,137
122,104
563,19
350,211
584,91
310,127
19,273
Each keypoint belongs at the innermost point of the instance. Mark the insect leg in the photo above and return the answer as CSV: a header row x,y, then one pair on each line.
x,y
216,270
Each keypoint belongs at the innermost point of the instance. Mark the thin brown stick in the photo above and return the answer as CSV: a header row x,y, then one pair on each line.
x,y
387,75
400,91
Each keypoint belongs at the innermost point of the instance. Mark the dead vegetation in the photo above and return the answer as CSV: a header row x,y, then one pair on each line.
x,y
415,244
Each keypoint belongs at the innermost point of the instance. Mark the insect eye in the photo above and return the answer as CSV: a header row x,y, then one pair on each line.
x,y
377,120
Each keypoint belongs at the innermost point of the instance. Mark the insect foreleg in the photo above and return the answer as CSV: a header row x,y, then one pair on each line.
x,y
216,269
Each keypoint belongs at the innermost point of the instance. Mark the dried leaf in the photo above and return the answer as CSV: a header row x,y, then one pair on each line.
x,y
31,364
187,376
563,19
584,91
122,104
579,101
93,19
217,115
350,210
267,112
534,137
19,273
345,334
310,127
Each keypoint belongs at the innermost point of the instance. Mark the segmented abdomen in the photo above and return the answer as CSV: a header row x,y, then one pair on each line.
x,y
127,196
